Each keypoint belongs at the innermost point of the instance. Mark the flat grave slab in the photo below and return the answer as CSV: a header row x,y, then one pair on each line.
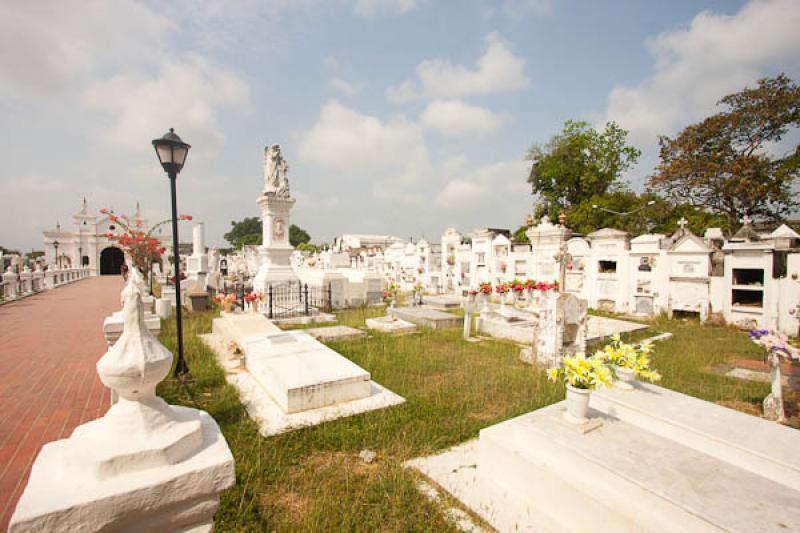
x,y
430,318
391,325
658,463
240,327
336,333
441,302
600,327
301,373
271,417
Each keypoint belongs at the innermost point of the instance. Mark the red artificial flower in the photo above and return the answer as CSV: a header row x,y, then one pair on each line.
x,y
103,211
185,217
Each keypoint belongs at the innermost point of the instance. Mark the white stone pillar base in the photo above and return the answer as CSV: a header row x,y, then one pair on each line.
x,y
176,497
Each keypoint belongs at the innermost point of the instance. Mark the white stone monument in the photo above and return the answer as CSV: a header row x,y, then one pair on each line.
x,y
276,203
197,263
144,466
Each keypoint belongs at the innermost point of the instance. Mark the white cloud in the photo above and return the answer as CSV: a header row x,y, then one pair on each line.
x,y
497,70
374,7
455,118
48,47
485,185
344,86
695,66
361,145
187,95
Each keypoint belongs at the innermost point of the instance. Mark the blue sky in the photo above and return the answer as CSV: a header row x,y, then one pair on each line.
x,y
396,116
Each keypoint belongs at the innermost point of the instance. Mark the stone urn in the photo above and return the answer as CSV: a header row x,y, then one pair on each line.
x,y
577,404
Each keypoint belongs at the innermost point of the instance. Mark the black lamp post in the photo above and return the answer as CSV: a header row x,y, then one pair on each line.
x,y
172,153
58,259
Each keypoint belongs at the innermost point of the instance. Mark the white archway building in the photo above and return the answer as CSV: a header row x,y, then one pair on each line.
x,y
85,242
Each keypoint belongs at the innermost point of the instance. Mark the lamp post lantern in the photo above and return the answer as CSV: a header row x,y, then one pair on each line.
x,y
58,259
172,151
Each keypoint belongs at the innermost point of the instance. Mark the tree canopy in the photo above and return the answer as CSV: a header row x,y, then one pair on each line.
x,y
660,217
579,163
248,231
724,164
298,235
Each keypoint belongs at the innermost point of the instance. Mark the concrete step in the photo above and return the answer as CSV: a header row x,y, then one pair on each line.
x,y
620,477
765,448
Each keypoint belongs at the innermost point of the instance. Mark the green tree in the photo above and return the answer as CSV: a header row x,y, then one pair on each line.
x,y
246,231
579,163
298,235
659,217
723,164
519,235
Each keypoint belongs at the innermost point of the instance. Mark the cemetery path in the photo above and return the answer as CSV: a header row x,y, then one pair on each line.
x,y
49,344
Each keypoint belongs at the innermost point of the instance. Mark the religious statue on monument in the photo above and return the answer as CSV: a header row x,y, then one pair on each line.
x,y
275,168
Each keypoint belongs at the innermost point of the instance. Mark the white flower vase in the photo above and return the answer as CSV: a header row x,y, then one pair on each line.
x,y
626,378
577,405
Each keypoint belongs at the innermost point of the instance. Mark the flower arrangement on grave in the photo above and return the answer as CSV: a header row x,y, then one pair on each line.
x,y
777,347
501,288
253,298
581,375
226,300
485,288
451,260
544,287
136,241
530,284
579,372
517,286
629,360
234,348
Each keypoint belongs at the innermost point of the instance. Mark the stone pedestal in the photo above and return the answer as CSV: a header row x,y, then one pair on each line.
x,y
144,466
10,279
275,252
197,263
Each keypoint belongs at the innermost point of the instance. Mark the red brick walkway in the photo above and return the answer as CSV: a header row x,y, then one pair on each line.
x,y
49,344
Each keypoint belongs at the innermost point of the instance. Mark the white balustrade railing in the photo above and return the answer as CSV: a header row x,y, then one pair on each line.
x,y
14,286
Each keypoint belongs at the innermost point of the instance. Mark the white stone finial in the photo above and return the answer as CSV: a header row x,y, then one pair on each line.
x,y
144,465
137,362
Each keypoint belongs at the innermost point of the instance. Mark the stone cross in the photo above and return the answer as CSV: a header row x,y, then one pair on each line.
x,y
682,223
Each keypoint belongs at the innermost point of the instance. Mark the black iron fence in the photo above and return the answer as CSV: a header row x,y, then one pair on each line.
x,y
289,300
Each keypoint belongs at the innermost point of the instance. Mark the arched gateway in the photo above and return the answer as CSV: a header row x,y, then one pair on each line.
x,y
111,260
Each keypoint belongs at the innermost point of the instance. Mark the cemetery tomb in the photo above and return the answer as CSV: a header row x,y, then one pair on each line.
x,y
336,333
429,318
442,303
288,379
659,461
300,373
390,325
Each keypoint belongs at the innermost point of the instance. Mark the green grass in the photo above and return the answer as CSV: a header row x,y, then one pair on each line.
x,y
313,480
